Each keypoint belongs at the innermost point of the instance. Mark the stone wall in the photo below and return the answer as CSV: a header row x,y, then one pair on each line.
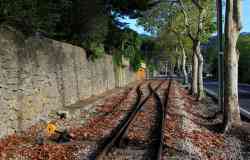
x,y
40,75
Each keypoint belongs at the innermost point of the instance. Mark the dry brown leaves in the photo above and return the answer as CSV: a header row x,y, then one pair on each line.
x,y
113,101
98,126
101,125
139,130
205,140
51,151
9,144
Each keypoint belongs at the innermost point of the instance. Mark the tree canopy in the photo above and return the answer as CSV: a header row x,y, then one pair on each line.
x,y
243,45
91,24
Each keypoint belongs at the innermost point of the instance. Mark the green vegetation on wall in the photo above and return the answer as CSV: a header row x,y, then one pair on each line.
x,y
125,43
92,24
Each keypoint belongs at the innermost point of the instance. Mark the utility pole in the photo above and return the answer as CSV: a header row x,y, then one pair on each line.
x,y
220,55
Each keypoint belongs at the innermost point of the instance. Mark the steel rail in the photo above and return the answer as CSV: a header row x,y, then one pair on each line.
x,y
121,129
162,107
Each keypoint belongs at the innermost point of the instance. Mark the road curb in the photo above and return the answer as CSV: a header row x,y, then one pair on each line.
x,y
214,96
211,94
245,113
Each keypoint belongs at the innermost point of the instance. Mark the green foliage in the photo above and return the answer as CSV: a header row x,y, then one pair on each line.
x,y
124,43
95,50
117,58
151,50
177,25
34,15
151,67
135,61
157,17
171,34
211,57
88,23
132,8
83,23
244,60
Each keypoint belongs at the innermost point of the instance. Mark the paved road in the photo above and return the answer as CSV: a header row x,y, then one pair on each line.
x,y
244,93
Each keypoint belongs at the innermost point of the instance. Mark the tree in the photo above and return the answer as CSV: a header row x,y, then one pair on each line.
x,y
185,44
244,60
84,23
176,26
151,51
198,18
176,39
211,56
199,22
34,15
131,8
124,43
243,44
163,20
232,31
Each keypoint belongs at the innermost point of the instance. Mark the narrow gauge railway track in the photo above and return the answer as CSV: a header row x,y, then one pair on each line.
x,y
118,134
158,132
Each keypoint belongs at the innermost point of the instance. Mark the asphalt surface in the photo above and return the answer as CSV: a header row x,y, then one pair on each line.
x,y
244,93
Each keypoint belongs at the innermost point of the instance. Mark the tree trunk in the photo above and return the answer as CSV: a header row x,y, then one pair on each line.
x,y
194,87
178,65
172,68
201,94
166,69
178,68
232,30
184,71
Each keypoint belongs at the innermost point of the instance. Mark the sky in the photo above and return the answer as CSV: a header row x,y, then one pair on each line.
x,y
132,23
246,15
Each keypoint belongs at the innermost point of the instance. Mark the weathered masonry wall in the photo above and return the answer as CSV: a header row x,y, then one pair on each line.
x,y
39,75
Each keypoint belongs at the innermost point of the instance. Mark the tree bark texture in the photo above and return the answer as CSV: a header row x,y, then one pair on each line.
x,y
232,30
194,87
184,71
179,64
197,59
199,55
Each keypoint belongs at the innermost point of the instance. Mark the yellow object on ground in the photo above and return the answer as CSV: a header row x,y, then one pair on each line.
x,y
51,128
